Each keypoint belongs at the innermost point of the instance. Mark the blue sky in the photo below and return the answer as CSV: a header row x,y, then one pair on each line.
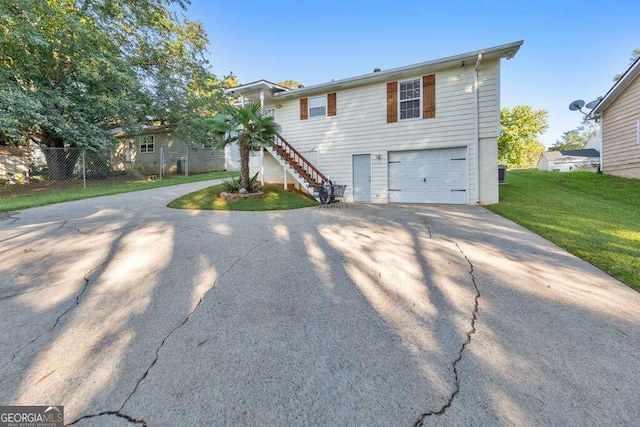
x,y
571,49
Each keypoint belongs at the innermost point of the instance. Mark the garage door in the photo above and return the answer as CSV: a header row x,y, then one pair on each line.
x,y
428,176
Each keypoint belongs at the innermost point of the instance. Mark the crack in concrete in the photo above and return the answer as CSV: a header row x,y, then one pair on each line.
x,y
76,303
9,215
186,319
64,225
19,351
469,333
116,413
428,225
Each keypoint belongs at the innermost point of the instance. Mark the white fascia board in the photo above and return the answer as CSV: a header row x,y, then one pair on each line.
x,y
632,72
254,87
504,51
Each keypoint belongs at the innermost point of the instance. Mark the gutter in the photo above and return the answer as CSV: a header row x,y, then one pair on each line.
x,y
476,107
503,51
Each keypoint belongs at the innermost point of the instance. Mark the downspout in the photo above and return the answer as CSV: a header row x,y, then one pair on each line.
x,y
262,148
476,107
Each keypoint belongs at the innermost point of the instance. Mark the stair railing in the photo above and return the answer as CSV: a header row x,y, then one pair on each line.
x,y
298,161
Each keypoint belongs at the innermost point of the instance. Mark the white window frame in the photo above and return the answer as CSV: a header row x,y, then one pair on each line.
x,y
420,99
325,106
147,140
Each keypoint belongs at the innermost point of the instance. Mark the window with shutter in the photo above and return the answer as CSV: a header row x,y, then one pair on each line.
x,y
410,99
304,112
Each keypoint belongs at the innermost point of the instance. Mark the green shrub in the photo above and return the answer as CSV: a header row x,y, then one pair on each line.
x,y
233,186
252,183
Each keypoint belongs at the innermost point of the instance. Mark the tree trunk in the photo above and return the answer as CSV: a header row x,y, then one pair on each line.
x,y
61,162
245,150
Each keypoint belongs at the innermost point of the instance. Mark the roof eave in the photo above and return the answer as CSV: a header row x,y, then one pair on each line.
x,y
507,51
254,87
632,72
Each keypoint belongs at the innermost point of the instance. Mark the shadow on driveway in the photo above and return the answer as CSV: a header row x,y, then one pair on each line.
x,y
122,309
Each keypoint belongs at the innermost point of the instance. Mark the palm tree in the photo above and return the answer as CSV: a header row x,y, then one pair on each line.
x,y
247,126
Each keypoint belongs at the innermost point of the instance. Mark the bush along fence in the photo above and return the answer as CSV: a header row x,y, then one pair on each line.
x,y
39,169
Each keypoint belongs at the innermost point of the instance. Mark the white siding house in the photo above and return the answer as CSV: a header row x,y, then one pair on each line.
x,y
424,133
619,114
155,144
569,160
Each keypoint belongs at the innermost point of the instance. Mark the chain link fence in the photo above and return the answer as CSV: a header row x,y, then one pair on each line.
x,y
29,171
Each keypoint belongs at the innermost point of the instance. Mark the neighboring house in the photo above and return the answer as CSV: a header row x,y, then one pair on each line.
x,y
145,152
423,133
17,161
568,160
619,114
595,140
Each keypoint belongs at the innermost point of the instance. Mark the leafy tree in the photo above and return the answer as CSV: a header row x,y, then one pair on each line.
x,y
247,126
293,84
230,81
518,144
634,57
70,70
575,139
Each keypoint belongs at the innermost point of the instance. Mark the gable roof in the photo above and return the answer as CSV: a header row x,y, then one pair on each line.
x,y
571,156
503,51
630,75
256,87
551,155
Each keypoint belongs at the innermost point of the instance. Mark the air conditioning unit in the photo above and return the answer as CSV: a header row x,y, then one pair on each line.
x,y
502,174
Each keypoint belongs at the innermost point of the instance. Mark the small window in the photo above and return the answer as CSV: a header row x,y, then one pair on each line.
x,y
147,144
410,99
318,106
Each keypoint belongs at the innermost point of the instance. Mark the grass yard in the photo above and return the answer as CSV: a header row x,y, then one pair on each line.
x,y
274,199
595,217
48,196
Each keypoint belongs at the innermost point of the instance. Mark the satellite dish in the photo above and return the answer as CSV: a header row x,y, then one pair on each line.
x,y
576,105
593,103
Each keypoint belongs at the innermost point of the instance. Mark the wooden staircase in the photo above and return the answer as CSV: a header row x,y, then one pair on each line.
x,y
305,172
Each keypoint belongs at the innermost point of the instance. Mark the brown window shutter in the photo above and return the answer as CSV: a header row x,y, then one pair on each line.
x,y
429,96
392,102
331,104
304,108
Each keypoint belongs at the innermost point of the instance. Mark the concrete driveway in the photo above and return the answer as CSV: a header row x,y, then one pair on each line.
x,y
125,311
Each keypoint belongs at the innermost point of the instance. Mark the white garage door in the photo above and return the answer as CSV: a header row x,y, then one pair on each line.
x,y
428,176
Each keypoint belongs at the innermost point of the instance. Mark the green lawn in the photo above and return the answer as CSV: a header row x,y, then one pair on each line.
x,y
47,196
274,199
596,217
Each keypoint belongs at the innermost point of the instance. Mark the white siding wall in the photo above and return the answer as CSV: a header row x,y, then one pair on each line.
x,y
544,164
232,157
489,130
360,127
